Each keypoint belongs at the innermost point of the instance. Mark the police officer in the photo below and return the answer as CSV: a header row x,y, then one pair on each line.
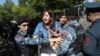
x,y
91,45
75,47
25,49
69,23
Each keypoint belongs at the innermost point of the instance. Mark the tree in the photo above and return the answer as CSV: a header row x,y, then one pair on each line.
x,y
33,8
6,12
56,5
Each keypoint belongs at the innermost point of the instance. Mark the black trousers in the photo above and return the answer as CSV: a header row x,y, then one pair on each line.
x,y
29,51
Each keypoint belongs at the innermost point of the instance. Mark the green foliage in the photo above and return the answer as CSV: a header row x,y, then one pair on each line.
x,y
15,11
33,8
6,11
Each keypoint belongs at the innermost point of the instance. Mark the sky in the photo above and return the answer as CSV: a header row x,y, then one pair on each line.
x,y
15,1
91,0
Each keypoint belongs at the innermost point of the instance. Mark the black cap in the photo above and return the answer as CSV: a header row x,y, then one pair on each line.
x,y
72,12
22,19
62,14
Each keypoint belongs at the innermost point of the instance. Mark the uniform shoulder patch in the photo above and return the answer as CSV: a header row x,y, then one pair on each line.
x,y
64,34
18,37
87,41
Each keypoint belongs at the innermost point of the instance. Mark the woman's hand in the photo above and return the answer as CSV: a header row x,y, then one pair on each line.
x,y
54,42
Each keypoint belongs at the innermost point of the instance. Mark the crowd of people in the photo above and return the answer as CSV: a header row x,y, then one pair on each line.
x,y
62,37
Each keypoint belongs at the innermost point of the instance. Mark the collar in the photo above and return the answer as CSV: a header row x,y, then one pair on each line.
x,y
97,20
22,32
73,22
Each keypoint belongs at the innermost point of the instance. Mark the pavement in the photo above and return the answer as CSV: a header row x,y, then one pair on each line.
x,y
84,23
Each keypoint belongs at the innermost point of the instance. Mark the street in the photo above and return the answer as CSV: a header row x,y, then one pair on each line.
x,y
84,23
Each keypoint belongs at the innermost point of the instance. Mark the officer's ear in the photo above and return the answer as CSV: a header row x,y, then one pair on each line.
x,y
19,26
92,14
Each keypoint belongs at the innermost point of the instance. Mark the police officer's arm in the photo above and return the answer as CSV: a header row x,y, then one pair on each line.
x,y
89,44
30,41
64,45
33,41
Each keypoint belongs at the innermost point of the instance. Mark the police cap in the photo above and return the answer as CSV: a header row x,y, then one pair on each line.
x,y
93,6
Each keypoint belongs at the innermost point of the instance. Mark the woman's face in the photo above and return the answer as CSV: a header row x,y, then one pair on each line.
x,y
46,17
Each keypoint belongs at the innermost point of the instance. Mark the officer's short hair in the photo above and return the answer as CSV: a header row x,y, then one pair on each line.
x,y
92,10
21,19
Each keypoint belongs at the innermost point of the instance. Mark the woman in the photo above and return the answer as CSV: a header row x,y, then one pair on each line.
x,y
48,23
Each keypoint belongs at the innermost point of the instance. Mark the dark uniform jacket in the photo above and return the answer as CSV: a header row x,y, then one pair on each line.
x,y
66,46
23,40
92,39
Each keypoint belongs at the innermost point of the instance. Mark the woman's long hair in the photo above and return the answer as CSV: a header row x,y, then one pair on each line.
x,y
52,20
